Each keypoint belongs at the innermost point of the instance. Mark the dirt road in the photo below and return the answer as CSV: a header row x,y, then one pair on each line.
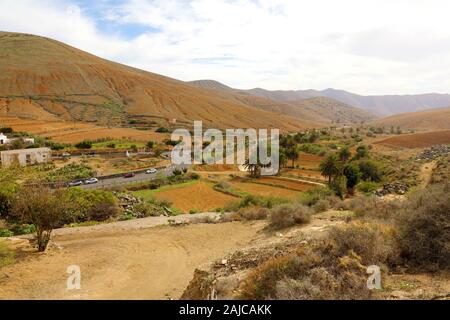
x,y
123,263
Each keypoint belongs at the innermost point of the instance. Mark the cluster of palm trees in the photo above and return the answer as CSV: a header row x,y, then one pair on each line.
x,y
344,172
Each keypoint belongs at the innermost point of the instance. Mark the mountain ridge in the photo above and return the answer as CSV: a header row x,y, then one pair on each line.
x,y
382,105
41,78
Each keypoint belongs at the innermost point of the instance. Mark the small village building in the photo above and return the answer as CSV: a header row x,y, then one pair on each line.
x,y
25,157
3,139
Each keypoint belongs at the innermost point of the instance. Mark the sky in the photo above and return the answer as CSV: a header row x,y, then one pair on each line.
x,y
362,46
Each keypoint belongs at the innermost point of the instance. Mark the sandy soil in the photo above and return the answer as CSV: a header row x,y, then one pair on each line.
x,y
155,263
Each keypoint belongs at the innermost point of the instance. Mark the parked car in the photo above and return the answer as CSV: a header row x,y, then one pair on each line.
x,y
66,155
151,171
128,175
75,183
91,181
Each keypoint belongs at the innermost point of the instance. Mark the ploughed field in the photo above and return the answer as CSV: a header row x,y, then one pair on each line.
x,y
73,132
417,140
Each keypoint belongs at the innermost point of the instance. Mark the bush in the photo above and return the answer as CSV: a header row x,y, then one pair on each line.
x,y
71,172
374,243
44,209
311,197
254,200
84,145
424,228
368,187
322,205
374,207
90,205
177,172
252,213
370,170
149,209
6,233
307,274
339,186
288,215
162,130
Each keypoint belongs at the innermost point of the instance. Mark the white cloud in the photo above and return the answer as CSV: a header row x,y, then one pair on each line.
x,y
368,47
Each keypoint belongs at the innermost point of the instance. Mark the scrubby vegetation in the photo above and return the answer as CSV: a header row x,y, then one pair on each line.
x,y
288,215
71,172
413,235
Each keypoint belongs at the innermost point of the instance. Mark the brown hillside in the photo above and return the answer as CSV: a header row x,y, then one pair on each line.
x,y
436,119
319,109
417,140
43,79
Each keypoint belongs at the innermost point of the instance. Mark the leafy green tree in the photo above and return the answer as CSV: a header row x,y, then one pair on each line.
x,y
330,167
86,144
292,154
339,186
345,154
151,144
361,152
353,175
370,170
283,158
43,208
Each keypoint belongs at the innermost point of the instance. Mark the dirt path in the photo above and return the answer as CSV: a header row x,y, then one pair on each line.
x,y
425,173
120,261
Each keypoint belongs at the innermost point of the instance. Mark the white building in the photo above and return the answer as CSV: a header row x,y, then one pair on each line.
x,y
25,157
3,139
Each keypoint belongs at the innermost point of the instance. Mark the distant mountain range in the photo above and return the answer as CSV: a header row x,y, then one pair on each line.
x,y
313,109
378,105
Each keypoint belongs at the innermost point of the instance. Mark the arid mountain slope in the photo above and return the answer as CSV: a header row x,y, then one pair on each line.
x,y
381,105
44,79
324,110
435,119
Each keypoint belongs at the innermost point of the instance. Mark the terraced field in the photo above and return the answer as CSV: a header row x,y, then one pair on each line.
x,y
73,132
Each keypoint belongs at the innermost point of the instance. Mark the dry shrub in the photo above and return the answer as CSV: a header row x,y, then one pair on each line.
x,y
308,274
424,228
374,243
254,213
261,282
203,220
374,207
288,215
327,203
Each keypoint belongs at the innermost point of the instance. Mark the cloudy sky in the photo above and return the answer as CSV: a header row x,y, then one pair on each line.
x,y
363,46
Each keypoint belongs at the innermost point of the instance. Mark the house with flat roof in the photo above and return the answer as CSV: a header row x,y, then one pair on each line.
x,y
25,157
3,139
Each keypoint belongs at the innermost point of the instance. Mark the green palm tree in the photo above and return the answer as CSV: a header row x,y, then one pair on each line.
x,y
331,166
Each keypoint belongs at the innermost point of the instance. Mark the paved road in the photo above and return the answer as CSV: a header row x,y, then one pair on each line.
x,y
141,177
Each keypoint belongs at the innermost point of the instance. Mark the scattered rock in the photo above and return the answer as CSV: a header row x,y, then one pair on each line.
x,y
399,188
433,153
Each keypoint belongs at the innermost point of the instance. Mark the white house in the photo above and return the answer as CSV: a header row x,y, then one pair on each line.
x,y
25,156
3,139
